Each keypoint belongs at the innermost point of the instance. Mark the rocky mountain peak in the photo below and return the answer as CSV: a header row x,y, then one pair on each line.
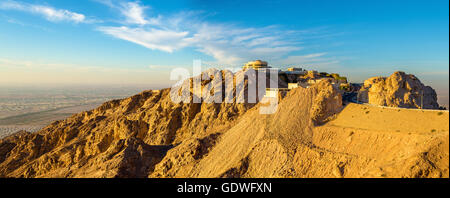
x,y
398,90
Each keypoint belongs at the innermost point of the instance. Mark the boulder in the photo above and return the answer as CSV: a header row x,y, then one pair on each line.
x,y
398,90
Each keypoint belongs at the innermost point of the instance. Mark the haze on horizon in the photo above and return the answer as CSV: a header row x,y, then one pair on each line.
x,y
138,42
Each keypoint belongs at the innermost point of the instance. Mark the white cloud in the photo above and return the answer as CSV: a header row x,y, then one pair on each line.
x,y
134,13
304,58
275,50
12,5
157,39
50,13
314,61
262,41
226,43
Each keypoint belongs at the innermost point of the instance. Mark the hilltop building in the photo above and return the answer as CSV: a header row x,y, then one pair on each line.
x,y
256,65
297,77
295,69
275,92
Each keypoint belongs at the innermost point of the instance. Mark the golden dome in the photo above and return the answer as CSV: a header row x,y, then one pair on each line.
x,y
256,64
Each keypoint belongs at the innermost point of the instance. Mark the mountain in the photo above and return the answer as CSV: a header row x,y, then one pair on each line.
x,y
398,90
311,134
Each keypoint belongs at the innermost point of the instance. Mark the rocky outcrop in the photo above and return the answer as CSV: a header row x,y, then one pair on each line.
x,y
150,135
258,145
327,103
124,138
398,90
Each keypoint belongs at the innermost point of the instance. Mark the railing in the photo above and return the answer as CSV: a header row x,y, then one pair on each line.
x,y
386,107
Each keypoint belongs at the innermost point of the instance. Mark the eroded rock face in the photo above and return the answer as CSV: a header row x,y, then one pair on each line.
x,y
398,90
327,103
122,138
149,135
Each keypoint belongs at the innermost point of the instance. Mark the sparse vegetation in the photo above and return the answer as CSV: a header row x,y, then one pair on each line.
x,y
344,86
338,77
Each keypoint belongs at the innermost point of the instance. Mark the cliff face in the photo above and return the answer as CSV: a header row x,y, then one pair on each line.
x,y
148,135
121,138
258,145
398,90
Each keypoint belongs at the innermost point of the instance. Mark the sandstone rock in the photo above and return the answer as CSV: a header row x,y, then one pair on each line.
x,y
150,135
122,138
398,90
327,103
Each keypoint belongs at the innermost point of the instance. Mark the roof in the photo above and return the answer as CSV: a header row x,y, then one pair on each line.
x,y
257,63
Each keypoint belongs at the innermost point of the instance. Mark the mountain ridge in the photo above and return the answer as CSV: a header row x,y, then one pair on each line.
x,y
147,135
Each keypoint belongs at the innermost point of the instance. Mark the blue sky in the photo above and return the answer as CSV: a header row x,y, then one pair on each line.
x,y
139,42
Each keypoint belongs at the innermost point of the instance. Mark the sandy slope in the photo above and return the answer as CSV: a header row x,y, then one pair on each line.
x,y
147,135
382,143
392,119
385,142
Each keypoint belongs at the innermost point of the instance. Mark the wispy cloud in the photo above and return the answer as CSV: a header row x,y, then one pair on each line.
x,y
48,12
313,61
226,43
157,39
304,58
133,12
21,23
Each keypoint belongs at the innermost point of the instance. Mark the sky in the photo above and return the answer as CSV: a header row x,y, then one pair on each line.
x,y
140,42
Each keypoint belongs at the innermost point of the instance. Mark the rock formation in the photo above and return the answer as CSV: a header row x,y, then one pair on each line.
x,y
149,135
327,103
125,138
398,90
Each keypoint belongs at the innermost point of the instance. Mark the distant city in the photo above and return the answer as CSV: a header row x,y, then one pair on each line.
x,y
31,108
